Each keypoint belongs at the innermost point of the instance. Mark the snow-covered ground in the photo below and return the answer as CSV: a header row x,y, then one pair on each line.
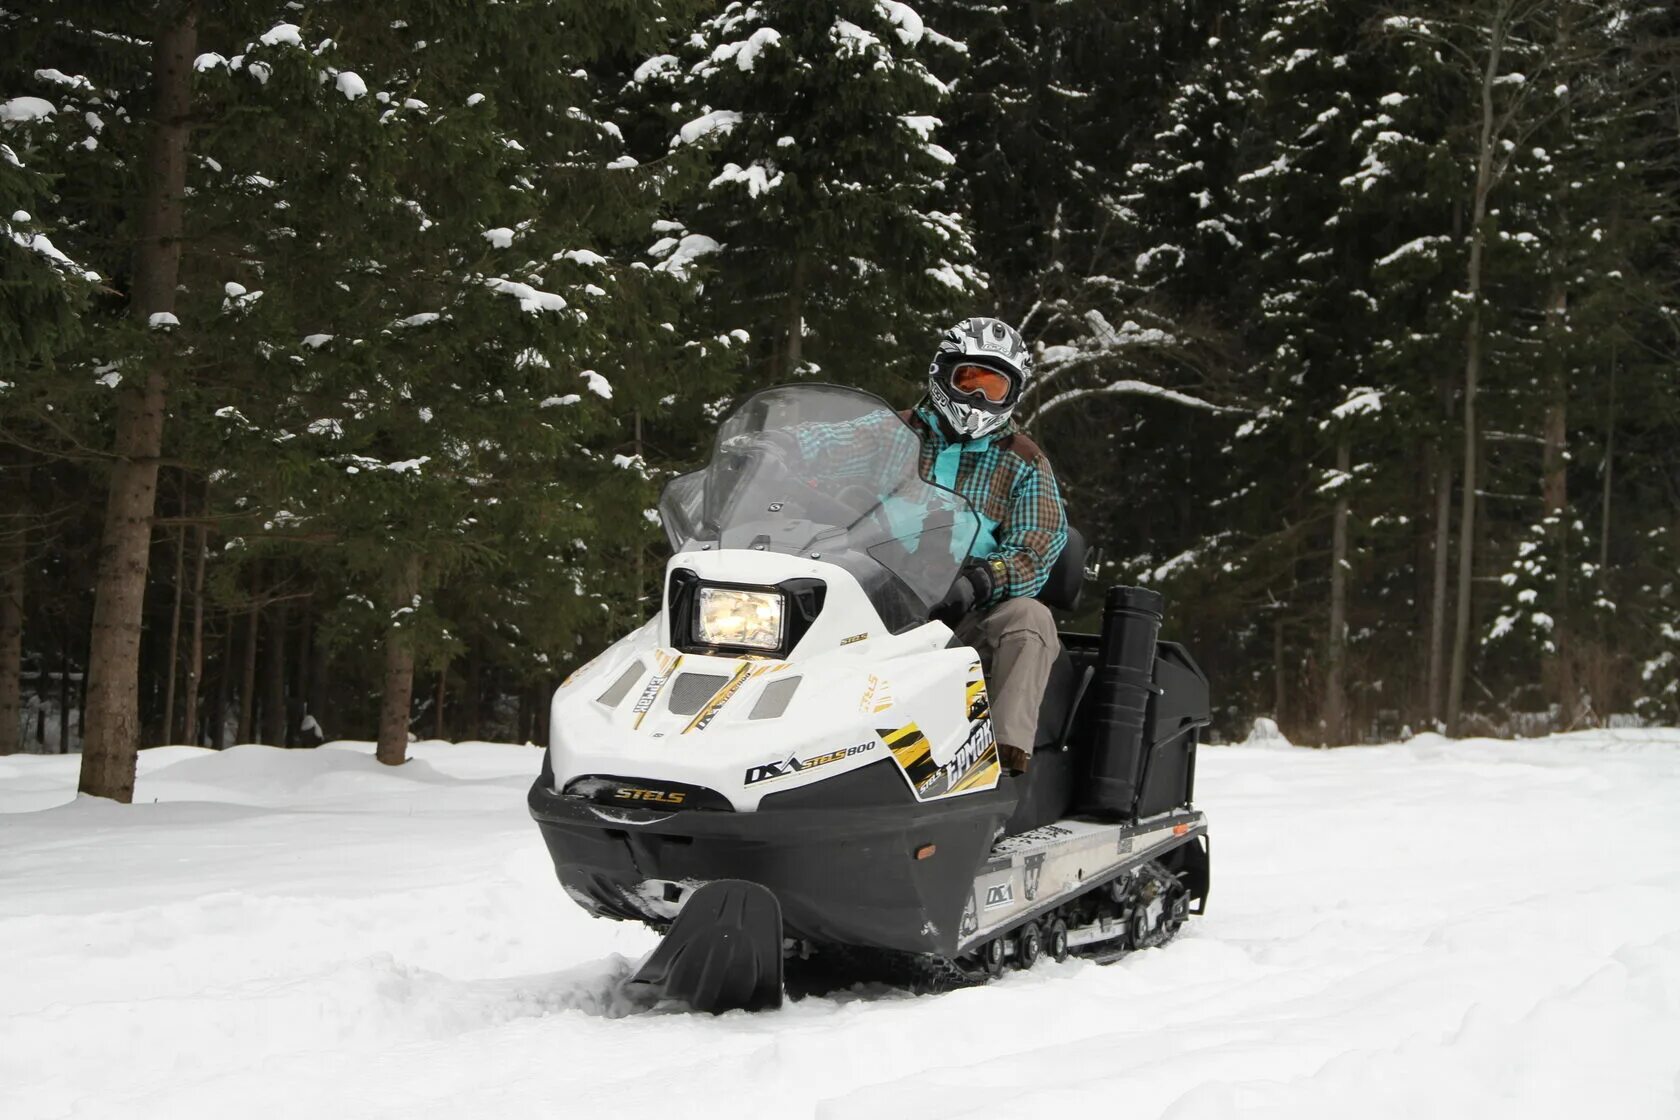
x,y
1423,929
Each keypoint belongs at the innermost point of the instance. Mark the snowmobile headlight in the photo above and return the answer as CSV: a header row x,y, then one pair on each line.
x,y
729,617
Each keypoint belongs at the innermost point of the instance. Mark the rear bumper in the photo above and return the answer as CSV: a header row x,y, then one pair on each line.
x,y
844,872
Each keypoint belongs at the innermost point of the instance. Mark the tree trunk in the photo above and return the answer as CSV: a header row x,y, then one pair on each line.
x,y
318,691
438,725
64,699
398,692
1607,471
248,679
475,688
224,683
195,651
539,713
1438,595
1472,375
12,559
112,733
794,322
274,678
297,705
1335,696
1280,681
1554,493
174,636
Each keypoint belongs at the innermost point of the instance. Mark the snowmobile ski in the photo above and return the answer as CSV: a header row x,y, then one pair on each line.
x,y
723,952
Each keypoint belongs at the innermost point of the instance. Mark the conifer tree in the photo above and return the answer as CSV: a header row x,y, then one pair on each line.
x,y
828,207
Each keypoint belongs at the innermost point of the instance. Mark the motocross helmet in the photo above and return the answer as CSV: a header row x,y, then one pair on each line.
x,y
978,375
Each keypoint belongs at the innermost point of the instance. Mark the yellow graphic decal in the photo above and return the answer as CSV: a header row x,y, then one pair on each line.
x,y
720,698
877,696
663,796
974,767
978,704
656,684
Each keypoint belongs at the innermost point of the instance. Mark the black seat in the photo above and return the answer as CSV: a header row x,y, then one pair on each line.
x,y
1067,575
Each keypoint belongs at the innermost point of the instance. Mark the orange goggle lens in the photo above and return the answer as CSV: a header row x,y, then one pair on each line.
x,y
989,383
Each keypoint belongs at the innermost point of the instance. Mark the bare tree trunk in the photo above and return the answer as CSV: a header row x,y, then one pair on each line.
x,y
174,635
1335,696
1607,471
1472,375
297,708
539,713
438,726
794,342
195,652
1280,680
1438,596
475,688
224,683
112,733
1554,492
12,559
64,699
318,693
398,692
248,680
274,677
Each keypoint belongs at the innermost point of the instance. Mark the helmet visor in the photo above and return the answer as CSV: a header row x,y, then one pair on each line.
x,y
980,381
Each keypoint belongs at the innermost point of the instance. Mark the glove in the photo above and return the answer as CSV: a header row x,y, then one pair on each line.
x,y
974,585
773,442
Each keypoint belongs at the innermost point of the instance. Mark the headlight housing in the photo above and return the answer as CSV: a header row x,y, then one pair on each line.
x,y
727,616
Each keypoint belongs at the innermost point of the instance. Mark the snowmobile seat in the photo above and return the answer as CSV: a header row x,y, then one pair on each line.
x,y
1067,575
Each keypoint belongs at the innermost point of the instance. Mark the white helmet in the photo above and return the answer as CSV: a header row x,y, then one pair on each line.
x,y
978,375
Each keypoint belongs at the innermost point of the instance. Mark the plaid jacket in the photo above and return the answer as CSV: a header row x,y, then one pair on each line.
x,y
1004,476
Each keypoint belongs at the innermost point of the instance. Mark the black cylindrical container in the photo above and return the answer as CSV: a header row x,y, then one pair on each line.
x,y
1120,699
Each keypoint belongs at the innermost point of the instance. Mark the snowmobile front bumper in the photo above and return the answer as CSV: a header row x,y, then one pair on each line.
x,y
855,860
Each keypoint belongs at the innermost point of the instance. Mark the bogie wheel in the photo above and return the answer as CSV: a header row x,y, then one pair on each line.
x,y
992,956
1140,928
1056,940
1029,946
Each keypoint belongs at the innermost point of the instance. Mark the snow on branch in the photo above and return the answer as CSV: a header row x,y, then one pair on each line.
x,y
1129,388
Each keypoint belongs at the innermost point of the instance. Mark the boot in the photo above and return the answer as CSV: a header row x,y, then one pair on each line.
x,y
1013,759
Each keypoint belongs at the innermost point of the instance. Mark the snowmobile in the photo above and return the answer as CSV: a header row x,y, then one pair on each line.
x,y
790,766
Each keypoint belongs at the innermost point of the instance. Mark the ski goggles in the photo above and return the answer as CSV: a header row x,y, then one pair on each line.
x,y
981,381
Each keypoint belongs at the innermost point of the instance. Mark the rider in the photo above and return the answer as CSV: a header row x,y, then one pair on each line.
x,y
970,445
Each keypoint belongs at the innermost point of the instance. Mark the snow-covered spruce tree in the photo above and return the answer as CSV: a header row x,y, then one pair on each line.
x,y
41,292
1072,124
449,414
827,206
1503,73
122,81
1594,238
1059,116
1311,316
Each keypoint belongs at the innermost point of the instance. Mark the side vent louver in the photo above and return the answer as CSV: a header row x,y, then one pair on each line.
x,y
773,701
622,686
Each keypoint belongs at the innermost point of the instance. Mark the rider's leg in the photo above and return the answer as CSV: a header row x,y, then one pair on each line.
x,y
1020,636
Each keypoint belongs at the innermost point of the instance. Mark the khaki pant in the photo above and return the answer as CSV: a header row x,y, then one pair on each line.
x,y
1018,644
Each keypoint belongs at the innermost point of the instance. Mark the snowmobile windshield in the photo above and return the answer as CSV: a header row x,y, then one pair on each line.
x,y
834,474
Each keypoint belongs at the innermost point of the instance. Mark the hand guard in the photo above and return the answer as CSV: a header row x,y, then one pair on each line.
x,y
974,585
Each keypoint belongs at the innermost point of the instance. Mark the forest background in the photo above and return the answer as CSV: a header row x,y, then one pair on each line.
x,y
344,347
